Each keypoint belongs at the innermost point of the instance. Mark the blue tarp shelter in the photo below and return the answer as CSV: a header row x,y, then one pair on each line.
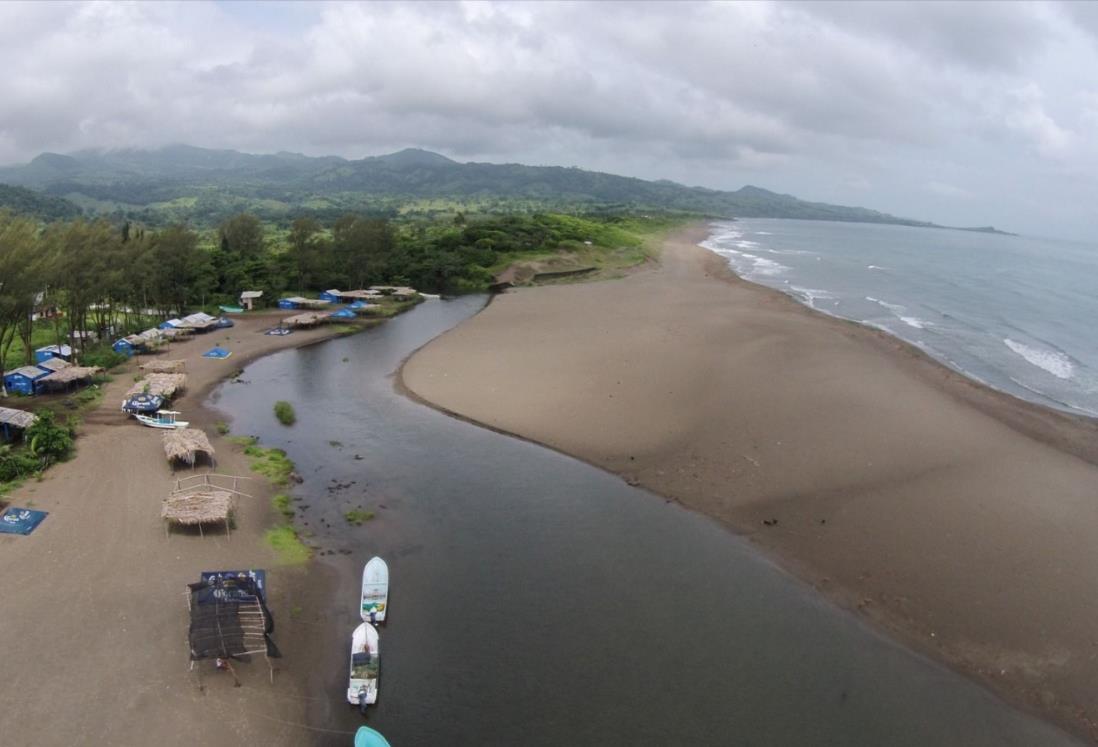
x,y
332,295
124,346
20,520
24,380
217,352
343,314
288,303
52,351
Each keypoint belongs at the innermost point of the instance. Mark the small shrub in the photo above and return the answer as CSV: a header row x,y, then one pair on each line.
x,y
15,465
284,505
47,440
357,516
284,411
102,356
222,427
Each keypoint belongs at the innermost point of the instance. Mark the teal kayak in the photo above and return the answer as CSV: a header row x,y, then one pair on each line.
x,y
367,737
231,309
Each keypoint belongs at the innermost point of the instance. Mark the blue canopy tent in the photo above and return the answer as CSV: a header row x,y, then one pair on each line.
x,y
217,352
143,402
20,520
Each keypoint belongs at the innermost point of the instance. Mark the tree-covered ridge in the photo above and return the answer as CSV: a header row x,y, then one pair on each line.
x,y
42,206
207,186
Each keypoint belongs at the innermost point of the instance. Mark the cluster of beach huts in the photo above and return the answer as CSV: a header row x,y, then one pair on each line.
x,y
316,310
53,370
173,329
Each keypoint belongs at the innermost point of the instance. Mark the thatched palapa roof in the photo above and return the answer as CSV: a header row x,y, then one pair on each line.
x,y
206,505
173,366
18,418
53,364
185,444
71,374
161,384
308,319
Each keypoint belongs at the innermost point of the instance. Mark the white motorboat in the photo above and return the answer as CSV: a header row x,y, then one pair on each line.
x,y
164,419
375,590
365,667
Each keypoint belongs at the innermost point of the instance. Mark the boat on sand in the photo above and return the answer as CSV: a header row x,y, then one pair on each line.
x,y
164,419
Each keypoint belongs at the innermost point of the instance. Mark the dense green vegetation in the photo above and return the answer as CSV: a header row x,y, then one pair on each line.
x,y
205,187
98,276
42,206
284,411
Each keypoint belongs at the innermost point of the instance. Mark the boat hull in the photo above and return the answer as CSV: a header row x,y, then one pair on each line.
x,y
375,591
365,668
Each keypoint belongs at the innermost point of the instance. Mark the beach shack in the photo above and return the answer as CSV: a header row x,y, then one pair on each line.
x,y
171,324
289,303
332,295
248,299
53,351
24,380
297,302
52,364
14,420
124,346
200,322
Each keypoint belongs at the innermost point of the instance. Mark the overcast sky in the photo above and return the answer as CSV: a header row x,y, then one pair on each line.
x,y
970,113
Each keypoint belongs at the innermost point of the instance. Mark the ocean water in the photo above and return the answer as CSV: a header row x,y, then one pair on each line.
x,y
1015,312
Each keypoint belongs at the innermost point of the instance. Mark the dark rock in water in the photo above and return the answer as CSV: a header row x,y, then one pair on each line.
x,y
770,522
295,477
358,457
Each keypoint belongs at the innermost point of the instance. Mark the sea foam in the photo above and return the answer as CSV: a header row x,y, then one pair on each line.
x,y
1055,362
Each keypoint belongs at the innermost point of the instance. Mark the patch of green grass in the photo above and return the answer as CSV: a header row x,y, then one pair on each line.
x,y
357,516
222,427
287,545
271,463
284,505
284,411
243,440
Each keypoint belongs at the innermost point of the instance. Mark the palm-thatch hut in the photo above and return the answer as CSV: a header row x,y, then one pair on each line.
x,y
66,377
11,419
308,319
196,508
173,366
185,444
164,385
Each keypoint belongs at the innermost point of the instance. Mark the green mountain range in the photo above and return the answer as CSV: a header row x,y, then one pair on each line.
x,y
183,182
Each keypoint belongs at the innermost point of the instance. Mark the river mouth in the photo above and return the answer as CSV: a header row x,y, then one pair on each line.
x,y
538,600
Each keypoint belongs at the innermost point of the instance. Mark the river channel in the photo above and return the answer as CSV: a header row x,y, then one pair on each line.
x,y
537,600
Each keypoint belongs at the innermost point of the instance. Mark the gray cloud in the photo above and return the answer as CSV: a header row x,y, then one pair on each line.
x,y
953,112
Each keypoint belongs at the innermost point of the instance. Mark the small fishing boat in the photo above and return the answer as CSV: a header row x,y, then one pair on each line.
x,y
231,309
367,737
365,667
164,419
375,590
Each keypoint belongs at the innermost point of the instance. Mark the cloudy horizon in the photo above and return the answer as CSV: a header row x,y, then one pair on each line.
x,y
963,114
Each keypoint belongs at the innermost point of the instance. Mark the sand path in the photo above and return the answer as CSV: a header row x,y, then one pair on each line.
x,y
960,519
93,613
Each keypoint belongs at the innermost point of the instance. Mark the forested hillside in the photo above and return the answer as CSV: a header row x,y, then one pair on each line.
x,y
206,186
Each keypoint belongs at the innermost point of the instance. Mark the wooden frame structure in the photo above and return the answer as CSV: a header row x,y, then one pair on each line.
x,y
198,500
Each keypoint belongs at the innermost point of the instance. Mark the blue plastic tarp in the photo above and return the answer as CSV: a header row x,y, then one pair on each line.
x,y
343,314
20,520
217,352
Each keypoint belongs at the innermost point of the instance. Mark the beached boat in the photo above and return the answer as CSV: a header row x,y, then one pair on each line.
x,y
375,590
367,737
164,419
365,667
231,309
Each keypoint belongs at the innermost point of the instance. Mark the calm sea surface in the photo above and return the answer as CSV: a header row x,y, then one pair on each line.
x,y
539,601
1015,312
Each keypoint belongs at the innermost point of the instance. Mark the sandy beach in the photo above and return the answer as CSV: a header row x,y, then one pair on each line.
x,y
94,612
958,519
